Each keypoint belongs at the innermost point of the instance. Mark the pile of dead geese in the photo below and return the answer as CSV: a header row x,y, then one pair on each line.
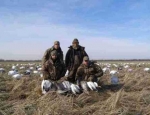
x,y
67,87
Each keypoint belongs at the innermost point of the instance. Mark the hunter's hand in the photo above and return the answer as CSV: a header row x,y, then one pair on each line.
x,y
64,78
91,78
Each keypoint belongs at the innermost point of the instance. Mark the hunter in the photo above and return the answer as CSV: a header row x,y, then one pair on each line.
x,y
53,69
47,53
74,58
88,71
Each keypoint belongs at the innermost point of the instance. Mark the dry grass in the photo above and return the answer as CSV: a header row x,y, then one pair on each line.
x,y
23,97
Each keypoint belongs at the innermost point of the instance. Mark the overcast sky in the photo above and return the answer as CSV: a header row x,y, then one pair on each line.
x,y
109,29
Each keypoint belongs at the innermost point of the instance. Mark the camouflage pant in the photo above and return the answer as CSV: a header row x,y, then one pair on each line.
x,y
72,75
46,75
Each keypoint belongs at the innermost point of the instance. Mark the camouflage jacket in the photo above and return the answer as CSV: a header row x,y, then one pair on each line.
x,y
70,56
84,73
47,54
54,70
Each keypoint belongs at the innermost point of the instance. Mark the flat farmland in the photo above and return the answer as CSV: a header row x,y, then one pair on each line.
x,y
130,97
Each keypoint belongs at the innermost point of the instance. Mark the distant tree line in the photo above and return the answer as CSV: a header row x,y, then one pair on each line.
x,y
123,60
2,60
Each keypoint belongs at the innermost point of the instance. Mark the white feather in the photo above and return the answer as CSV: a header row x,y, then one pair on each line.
x,y
2,70
39,69
31,68
35,72
146,69
129,70
12,72
91,85
22,67
17,76
66,85
13,67
46,84
41,75
96,85
127,66
113,72
75,88
67,72
84,85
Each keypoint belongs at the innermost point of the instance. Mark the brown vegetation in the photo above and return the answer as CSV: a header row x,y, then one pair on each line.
x,y
131,97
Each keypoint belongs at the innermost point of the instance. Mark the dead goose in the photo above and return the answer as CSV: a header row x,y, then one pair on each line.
x,y
146,69
92,86
17,76
63,88
95,83
46,86
52,86
2,70
67,85
84,87
75,89
12,72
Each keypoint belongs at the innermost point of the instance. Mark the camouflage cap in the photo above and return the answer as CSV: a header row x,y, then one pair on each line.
x,y
54,53
56,42
75,40
85,58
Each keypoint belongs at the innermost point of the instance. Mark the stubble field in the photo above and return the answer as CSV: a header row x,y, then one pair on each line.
x,y
130,97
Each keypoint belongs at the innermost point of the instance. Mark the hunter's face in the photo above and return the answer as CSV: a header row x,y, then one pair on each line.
x,y
86,62
54,57
75,44
56,46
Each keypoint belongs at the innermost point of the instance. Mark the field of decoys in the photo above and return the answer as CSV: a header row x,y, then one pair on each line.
x,y
124,89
